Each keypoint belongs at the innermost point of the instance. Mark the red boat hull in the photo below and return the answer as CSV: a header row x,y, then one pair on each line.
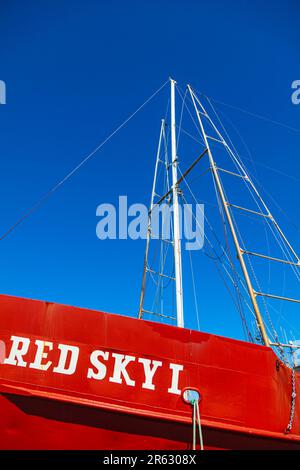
x,y
72,378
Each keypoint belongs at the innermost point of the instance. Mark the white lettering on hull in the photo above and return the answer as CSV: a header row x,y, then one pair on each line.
x,y
176,369
149,372
41,354
65,353
63,359
121,362
101,368
19,348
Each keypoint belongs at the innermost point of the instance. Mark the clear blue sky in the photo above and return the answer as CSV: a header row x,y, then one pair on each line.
x,y
74,70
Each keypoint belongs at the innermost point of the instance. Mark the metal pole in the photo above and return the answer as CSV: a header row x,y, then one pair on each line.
x,y
149,221
252,294
177,241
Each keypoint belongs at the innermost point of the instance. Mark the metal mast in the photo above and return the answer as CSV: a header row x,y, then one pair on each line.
x,y
172,190
172,197
176,221
219,186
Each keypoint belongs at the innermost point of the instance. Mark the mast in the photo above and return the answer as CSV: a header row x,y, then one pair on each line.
x,y
172,189
176,221
176,241
239,251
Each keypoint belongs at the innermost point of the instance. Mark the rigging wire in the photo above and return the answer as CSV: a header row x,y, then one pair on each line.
x,y
249,261
281,239
241,238
161,286
236,225
74,170
285,246
274,229
272,168
254,163
191,136
287,217
241,168
180,120
187,108
250,113
233,269
217,260
194,290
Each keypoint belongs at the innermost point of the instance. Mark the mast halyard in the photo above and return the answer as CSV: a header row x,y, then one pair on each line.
x,y
176,222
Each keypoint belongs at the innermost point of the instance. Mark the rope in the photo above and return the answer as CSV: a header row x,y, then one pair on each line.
x,y
197,420
46,196
194,426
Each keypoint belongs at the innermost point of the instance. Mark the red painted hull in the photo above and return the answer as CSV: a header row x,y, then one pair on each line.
x,y
245,390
